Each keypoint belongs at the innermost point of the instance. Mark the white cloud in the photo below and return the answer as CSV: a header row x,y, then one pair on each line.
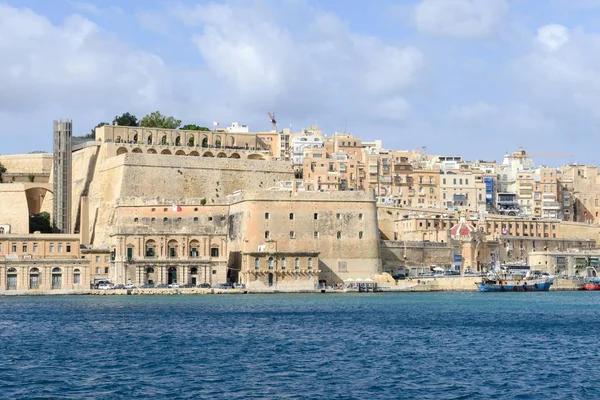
x,y
552,37
89,8
459,18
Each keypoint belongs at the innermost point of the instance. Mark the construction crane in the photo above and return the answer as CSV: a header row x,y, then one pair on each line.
x,y
273,122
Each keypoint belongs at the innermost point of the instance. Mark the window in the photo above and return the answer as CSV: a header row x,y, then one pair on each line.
x,y
310,263
196,219
60,247
444,181
196,209
106,270
35,248
106,258
0,247
97,270
292,235
267,235
210,218
214,252
339,235
24,247
164,210
291,215
316,216
68,247
283,263
223,218
267,216
13,248
179,219
135,220
454,181
154,209
165,219
76,277
338,216
153,219
466,181
460,181
97,259
360,235
297,263
316,235
256,263
270,263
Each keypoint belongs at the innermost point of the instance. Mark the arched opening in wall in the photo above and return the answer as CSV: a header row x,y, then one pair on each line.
x,y
255,157
270,279
208,154
163,141
149,139
172,248
172,275
194,248
194,153
270,263
137,150
234,155
180,153
11,279
34,278
118,139
121,150
151,151
149,276
231,141
214,250
56,278
76,276
218,141
150,248
135,138
166,151
204,141
221,155
191,141
178,141
36,197
193,279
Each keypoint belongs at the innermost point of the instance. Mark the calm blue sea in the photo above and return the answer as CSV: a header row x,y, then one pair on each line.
x,y
326,346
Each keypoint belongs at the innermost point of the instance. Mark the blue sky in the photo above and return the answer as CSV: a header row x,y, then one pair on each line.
x,y
464,77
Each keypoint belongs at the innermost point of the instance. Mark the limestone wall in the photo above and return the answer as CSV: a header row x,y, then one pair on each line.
x,y
13,207
414,254
40,163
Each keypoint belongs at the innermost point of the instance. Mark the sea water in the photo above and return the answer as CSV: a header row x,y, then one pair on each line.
x,y
304,346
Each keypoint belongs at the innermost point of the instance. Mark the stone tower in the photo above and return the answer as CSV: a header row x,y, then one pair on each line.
x,y
61,216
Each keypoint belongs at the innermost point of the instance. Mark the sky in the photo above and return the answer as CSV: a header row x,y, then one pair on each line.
x,y
475,78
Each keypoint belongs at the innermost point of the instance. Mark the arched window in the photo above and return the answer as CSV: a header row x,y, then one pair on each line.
x,y
297,263
34,278
310,263
205,142
256,263
283,263
191,141
135,138
76,276
11,278
172,245
149,141
118,139
56,278
178,141
194,271
271,262
164,140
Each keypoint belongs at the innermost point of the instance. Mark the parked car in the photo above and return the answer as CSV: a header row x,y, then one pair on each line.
x,y
130,286
186,286
119,286
226,285
204,285
399,277
148,286
239,285
162,286
174,285
106,286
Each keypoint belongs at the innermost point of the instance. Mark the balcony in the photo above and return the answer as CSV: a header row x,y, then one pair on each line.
x,y
411,192
402,168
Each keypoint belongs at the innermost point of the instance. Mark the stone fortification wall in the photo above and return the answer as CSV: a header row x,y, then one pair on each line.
x,y
40,163
396,254
341,226
150,177
13,207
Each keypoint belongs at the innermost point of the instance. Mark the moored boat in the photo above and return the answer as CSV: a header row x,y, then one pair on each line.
x,y
591,286
503,282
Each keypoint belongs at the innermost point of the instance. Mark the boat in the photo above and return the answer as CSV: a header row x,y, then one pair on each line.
x,y
503,281
592,282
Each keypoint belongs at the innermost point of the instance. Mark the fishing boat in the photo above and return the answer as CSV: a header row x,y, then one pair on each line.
x,y
507,281
592,282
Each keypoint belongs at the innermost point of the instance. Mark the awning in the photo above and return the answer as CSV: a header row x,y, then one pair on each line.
x,y
349,280
439,269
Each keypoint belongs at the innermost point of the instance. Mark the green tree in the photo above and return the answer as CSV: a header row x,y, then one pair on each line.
x,y
2,170
40,223
157,120
194,127
126,119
